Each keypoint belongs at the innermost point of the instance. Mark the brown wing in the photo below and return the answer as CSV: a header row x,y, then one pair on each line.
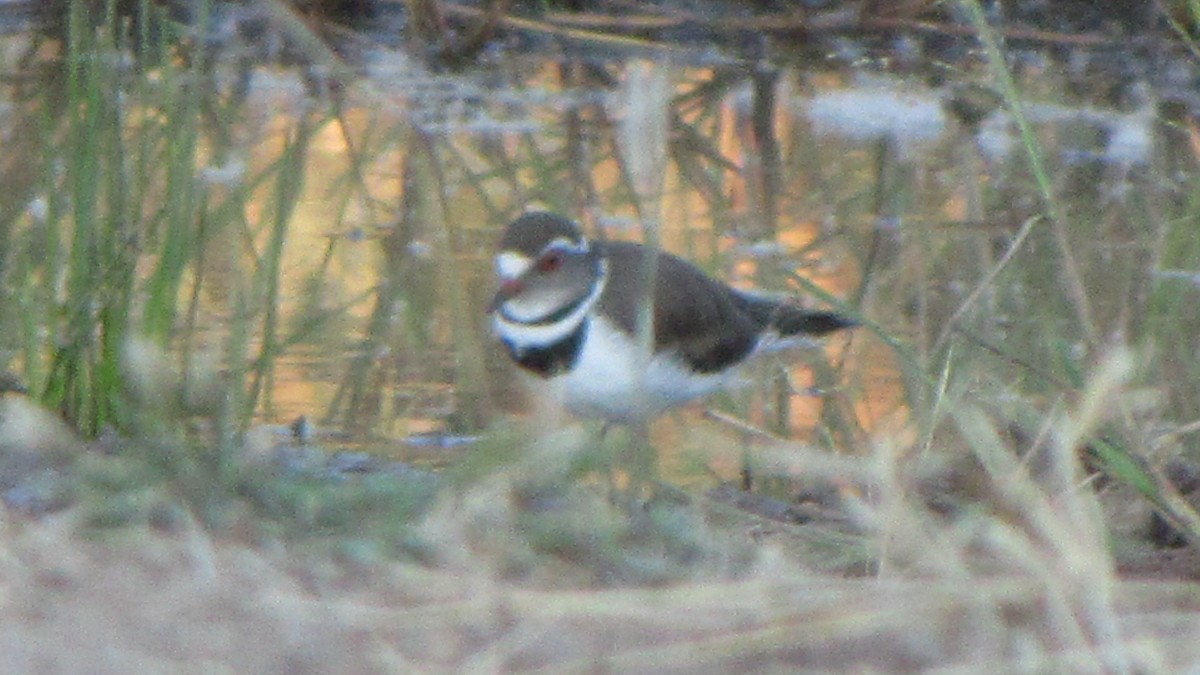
x,y
705,321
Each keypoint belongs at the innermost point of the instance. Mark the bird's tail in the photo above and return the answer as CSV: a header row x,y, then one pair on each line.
x,y
790,321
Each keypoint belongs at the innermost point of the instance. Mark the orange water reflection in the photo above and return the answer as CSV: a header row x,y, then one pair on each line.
x,y
752,220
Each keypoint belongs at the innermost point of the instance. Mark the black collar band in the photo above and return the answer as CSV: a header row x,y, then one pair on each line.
x,y
552,359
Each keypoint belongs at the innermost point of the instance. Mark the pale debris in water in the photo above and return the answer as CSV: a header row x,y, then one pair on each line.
x,y
277,93
611,223
1130,145
996,137
387,68
38,209
228,174
420,249
872,114
445,104
757,250
1131,142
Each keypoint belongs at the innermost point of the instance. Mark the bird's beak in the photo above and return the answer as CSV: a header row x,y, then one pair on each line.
x,y
508,288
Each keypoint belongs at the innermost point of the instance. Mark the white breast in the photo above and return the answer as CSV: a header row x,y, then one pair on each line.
x,y
611,380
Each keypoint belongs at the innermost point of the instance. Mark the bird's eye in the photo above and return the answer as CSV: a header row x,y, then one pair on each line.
x,y
550,261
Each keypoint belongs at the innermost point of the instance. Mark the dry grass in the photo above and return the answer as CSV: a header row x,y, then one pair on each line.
x,y
524,569
187,603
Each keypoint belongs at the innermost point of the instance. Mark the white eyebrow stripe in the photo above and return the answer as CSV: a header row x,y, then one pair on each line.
x,y
510,265
565,244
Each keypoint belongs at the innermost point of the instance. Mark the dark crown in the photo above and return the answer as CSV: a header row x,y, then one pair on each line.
x,y
531,232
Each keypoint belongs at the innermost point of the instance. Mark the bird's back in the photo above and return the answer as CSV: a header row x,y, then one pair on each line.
x,y
704,321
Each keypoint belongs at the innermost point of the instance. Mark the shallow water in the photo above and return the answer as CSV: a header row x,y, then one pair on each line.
x,y
891,195
864,185
898,189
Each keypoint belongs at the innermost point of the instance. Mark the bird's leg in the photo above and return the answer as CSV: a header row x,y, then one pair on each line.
x,y
747,471
640,463
779,388
630,465
610,465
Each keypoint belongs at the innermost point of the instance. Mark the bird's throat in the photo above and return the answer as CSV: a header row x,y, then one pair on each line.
x,y
550,318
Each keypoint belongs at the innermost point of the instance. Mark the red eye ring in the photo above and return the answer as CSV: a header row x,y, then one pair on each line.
x,y
550,261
